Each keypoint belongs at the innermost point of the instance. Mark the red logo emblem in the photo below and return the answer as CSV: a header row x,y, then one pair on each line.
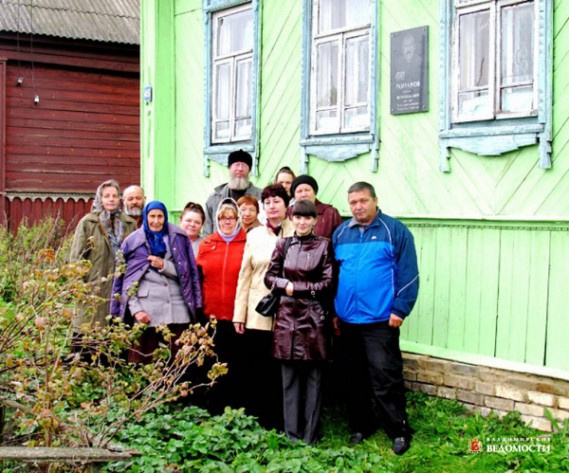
x,y
475,446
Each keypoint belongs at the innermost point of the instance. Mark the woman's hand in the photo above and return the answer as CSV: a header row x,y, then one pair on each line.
x,y
289,289
156,262
142,317
239,327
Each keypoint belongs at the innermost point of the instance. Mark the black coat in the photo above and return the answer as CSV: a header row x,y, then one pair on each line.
x,y
301,329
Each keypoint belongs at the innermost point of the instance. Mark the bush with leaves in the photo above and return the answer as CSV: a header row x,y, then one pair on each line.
x,y
84,396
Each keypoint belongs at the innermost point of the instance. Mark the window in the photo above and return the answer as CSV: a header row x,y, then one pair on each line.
x,y
231,39
339,79
496,76
232,65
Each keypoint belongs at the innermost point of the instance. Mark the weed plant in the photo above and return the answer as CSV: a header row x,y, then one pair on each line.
x,y
187,439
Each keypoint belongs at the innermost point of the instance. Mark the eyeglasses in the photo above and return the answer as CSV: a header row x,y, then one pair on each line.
x,y
227,219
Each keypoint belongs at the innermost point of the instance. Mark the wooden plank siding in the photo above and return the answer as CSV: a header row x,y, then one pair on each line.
x,y
484,289
84,130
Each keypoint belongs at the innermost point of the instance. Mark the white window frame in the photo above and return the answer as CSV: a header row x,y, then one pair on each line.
x,y
233,59
494,8
340,35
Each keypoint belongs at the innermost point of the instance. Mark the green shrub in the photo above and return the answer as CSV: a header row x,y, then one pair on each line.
x,y
82,397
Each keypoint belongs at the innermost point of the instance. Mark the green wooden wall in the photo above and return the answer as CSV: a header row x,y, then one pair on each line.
x,y
496,289
491,251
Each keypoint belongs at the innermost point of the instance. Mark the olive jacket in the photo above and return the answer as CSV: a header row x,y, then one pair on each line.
x,y
92,243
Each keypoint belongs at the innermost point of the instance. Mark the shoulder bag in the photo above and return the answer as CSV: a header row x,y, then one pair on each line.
x,y
269,304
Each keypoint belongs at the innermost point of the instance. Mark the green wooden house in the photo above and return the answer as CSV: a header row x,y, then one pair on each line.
x,y
469,145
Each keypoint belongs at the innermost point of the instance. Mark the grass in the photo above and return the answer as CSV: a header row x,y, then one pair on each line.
x,y
442,442
188,439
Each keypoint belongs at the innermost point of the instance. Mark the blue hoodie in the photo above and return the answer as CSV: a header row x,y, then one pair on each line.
x,y
378,270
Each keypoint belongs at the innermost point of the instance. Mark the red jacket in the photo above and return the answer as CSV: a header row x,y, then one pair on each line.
x,y
219,264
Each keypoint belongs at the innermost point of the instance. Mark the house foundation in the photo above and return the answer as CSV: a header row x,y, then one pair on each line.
x,y
485,389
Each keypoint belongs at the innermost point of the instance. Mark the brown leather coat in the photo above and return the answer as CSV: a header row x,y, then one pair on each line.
x,y
301,329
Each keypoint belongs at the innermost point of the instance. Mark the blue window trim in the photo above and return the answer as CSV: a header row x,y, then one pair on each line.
x,y
219,152
495,137
338,147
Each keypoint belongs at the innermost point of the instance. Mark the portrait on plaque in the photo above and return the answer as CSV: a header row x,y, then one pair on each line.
x,y
409,71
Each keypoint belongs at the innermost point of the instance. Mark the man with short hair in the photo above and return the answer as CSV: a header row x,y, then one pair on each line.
x,y
377,288
239,164
133,203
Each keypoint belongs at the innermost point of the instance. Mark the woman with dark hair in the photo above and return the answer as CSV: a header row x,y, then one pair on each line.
x,y
160,284
263,377
98,236
249,208
219,260
191,221
284,177
301,273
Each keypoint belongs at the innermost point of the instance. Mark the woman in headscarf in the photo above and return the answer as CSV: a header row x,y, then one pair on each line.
x,y
98,236
219,260
161,266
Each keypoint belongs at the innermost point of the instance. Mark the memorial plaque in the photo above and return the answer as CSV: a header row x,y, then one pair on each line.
x,y
409,71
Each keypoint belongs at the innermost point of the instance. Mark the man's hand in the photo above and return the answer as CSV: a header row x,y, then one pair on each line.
x,y
395,321
142,317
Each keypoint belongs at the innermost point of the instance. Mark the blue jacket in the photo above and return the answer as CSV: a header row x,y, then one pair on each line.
x,y
378,270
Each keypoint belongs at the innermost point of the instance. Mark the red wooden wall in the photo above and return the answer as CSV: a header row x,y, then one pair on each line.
x,y
83,130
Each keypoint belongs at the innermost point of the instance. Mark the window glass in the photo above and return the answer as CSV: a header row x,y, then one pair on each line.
x,y
357,74
327,74
336,14
235,32
474,60
243,107
517,66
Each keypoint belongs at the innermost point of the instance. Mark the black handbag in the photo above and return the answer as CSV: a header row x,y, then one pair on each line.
x,y
269,304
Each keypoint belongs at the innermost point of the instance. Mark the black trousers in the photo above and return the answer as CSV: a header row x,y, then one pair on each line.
x,y
372,365
261,379
302,399
226,391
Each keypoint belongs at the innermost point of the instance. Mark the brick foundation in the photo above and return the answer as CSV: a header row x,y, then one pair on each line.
x,y
484,389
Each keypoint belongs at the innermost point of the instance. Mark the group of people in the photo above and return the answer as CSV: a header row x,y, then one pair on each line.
x,y
349,283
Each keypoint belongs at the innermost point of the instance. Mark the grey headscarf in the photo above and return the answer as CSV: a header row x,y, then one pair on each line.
x,y
110,221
